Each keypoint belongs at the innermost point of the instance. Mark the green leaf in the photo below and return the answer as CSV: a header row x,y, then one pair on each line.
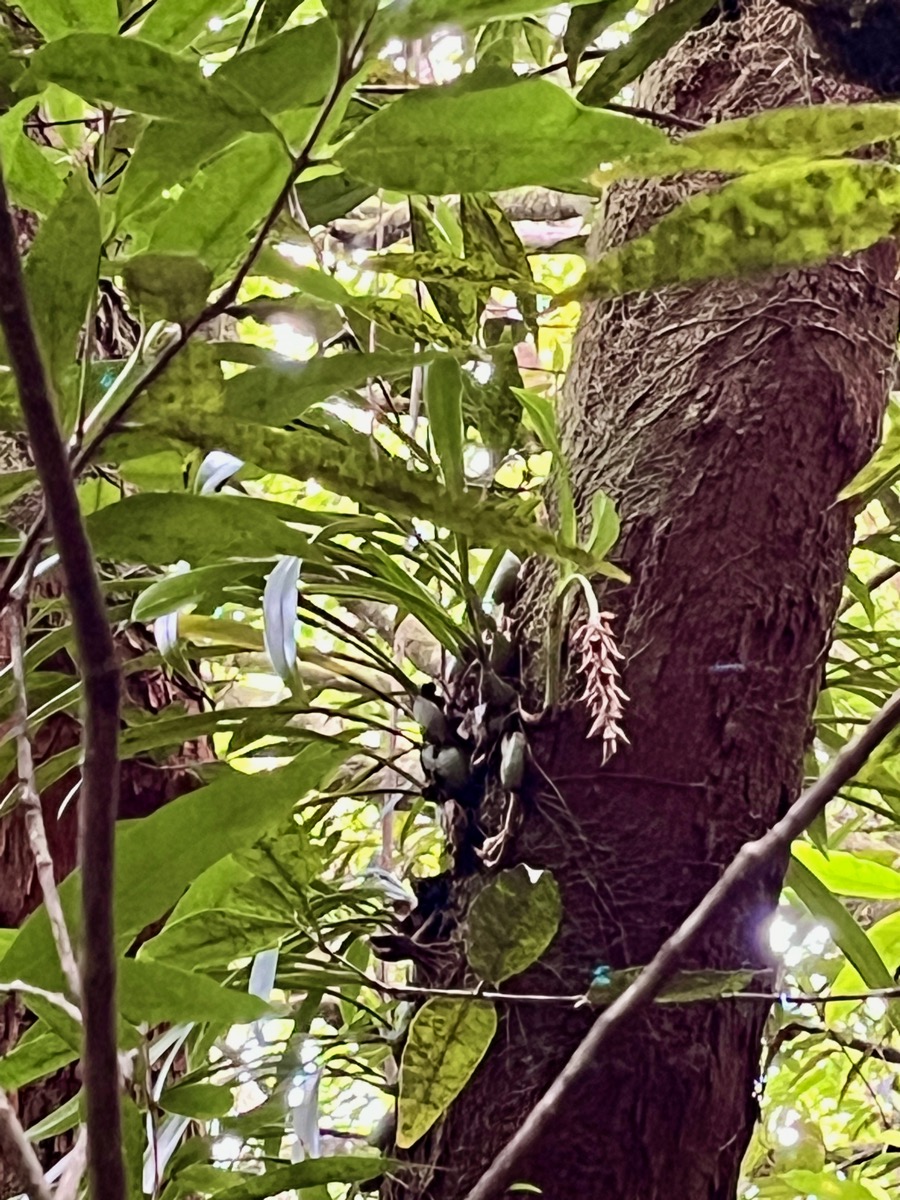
x,y
133,1145
685,987
480,269
202,1101
447,1040
512,921
37,1053
650,41
241,1185
605,526
168,153
846,874
175,23
171,287
294,69
543,419
883,464
129,73
61,272
530,132
587,23
210,940
278,394
55,18
777,217
443,404
408,19
30,176
356,467
157,528
846,930
155,993
64,1118
157,857
750,143
203,585
214,214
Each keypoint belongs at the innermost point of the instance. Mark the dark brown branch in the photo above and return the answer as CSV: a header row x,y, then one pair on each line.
x,y
101,688
750,862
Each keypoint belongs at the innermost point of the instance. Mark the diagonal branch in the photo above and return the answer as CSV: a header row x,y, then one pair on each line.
x,y
751,861
16,1150
101,689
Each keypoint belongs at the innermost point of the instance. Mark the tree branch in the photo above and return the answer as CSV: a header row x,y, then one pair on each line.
x,y
750,862
101,689
19,1151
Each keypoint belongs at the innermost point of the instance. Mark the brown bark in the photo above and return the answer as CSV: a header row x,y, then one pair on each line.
x,y
723,420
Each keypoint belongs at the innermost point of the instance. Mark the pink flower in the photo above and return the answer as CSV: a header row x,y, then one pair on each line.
x,y
602,694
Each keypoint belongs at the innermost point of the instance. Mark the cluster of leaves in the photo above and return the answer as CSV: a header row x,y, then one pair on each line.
x,y
308,472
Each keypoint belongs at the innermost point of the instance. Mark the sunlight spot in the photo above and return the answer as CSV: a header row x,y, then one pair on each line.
x,y
875,1007
817,939
479,462
291,341
209,68
226,1149
781,934
303,256
215,24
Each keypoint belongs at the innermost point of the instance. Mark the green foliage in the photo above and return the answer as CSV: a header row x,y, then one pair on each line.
x,y
61,273
775,217
512,922
650,41
494,133
447,1040
308,502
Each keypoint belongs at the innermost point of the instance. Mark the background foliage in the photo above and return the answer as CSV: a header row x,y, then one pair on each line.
x,y
350,239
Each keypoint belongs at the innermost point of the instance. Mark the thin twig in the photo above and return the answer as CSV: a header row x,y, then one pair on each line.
x,y
101,691
18,1151
653,114
751,860
31,800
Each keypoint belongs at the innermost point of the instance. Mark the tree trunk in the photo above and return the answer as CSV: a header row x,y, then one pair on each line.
x,y
723,420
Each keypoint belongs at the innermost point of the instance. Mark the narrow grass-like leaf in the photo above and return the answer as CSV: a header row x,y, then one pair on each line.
x,y
846,930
